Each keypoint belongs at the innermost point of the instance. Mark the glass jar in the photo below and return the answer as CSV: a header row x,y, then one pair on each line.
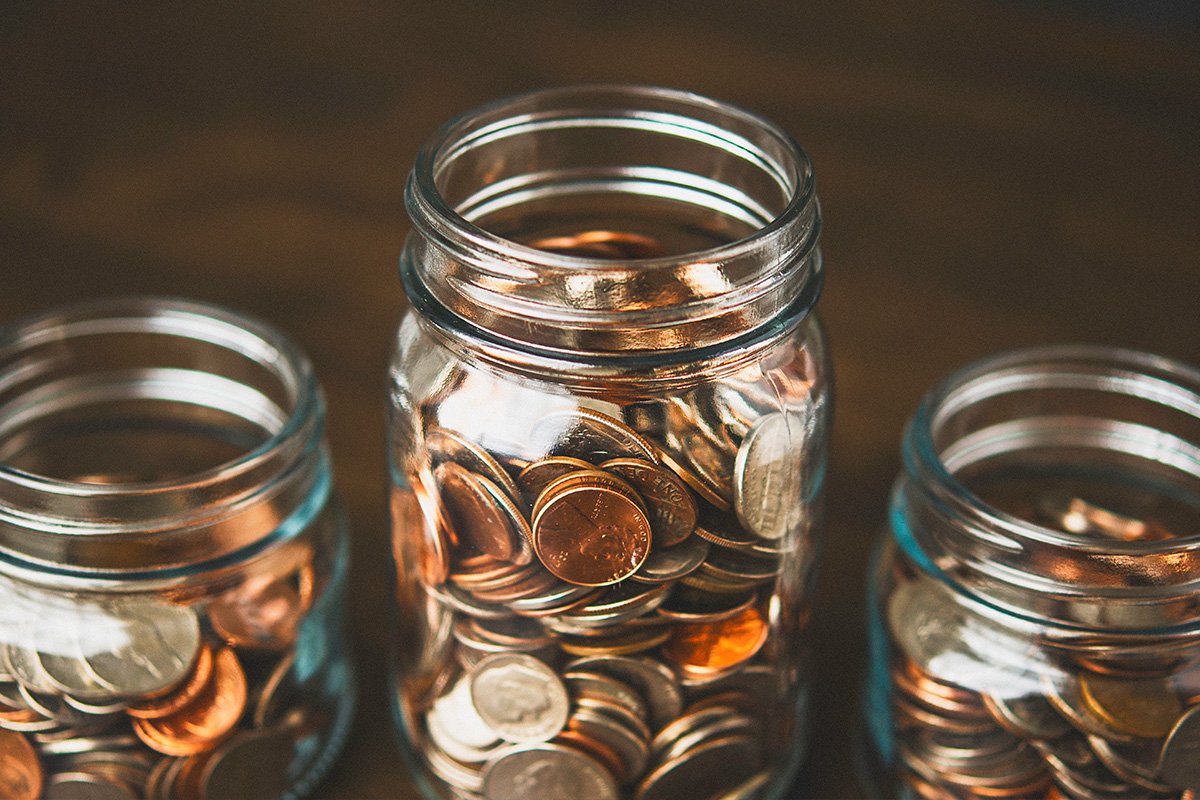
x,y
609,411
172,562
1035,624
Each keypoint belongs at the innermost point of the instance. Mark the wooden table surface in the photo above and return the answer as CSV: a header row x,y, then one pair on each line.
x,y
993,174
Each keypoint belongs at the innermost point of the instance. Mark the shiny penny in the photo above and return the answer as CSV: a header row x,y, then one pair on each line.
x,y
709,647
591,536
21,775
198,726
475,514
671,508
540,474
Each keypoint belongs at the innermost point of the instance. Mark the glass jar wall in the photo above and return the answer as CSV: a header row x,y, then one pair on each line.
x,y
172,565
1036,607
609,410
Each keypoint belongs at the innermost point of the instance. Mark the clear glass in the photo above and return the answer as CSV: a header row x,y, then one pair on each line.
x,y
609,419
172,561
1035,627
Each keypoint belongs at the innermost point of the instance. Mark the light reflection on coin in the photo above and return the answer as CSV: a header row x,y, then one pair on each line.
x,y
519,697
163,641
768,494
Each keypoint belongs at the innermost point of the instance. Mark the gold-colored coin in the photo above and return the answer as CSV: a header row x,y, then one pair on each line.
x,y
1146,708
592,478
447,444
21,774
694,482
591,536
541,473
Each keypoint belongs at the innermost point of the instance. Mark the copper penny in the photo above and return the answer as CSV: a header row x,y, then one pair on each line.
x,y
264,612
671,506
476,515
186,693
204,722
540,474
592,478
591,536
21,775
711,647
694,482
457,448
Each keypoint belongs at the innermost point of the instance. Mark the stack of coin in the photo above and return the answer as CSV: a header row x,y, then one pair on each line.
x,y
1095,719
610,601
160,698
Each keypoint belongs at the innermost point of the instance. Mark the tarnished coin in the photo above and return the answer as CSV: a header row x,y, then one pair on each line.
x,y
670,505
547,772
159,647
166,705
198,726
519,697
263,612
21,775
591,536
1146,708
259,759
718,765
1179,764
768,491
476,515
655,680
712,647
450,445
672,563
541,473
693,481
592,436
83,785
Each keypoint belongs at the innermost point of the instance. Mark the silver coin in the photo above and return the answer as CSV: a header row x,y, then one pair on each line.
x,y
1179,764
767,476
1136,764
66,671
519,697
10,697
667,564
629,746
656,681
1030,716
24,664
546,772
731,724
461,776
454,713
53,707
160,646
78,743
583,681
258,759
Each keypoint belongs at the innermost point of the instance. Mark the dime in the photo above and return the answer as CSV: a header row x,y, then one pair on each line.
x,y
156,708
671,509
593,436
667,564
1146,708
1179,764
161,645
713,647
547,772
476,515
449,445
198,726
21,776
519,697
591,536
768,491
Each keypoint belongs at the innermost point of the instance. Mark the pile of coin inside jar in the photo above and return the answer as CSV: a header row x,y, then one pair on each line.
x,y
1089,720
608,605
167,697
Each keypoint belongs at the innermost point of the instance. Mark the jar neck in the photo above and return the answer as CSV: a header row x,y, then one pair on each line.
x,y
694,225
145,436
1063,485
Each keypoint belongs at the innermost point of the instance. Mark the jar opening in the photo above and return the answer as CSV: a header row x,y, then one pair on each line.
x,y
147,433
600,220
1046,478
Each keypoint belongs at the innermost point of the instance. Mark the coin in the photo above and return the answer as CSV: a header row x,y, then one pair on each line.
x,y
519,697
156,708
198,726
259,759
593,436
694,482
21,775
1179,764
670,505
264,612
160,646
541,473
631,747
590,479
448,444
1146,708
476,515
713,647
656,682
718,765
667,564
80,785
591,536
768,491
547,772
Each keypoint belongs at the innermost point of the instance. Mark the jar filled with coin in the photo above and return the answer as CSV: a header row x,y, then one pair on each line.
x,y
1035,625
172,564
609,413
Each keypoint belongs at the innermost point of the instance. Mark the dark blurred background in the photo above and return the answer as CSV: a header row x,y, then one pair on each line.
x,y
992,175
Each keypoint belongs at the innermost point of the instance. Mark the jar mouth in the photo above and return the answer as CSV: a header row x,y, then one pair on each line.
x,y
145,433
729,195
1004,437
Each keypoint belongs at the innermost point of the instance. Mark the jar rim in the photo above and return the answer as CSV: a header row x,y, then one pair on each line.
x,y
208,501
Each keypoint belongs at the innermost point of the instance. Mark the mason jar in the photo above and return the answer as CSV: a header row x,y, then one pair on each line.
x,y
609,414
172,561
1035,626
